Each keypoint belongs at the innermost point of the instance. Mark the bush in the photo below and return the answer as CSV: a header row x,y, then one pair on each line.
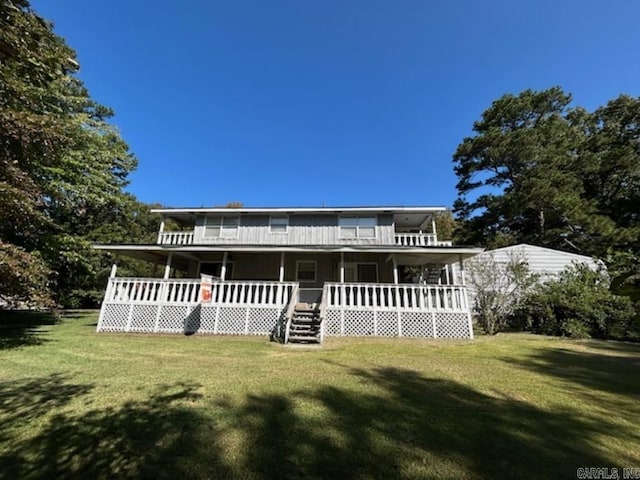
x,y
578,304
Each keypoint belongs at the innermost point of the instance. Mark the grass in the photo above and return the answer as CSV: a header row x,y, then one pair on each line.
x,y
78,404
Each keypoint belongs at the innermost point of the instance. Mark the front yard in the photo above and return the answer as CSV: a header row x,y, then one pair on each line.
x,y
75,403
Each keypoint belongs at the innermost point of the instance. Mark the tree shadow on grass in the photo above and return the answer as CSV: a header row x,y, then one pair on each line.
x,y
24,328
617,374
159,437
390,423
409,426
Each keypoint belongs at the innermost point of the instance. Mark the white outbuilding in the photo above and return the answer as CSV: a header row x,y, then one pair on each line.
x,y
545,262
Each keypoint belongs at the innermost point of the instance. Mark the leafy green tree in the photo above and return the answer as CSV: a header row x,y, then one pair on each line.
x,y
540,171
61,162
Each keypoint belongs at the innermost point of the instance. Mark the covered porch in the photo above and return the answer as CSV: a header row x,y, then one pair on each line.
x,y
377,293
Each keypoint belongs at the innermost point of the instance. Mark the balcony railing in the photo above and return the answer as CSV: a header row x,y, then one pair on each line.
x,y
420,240
175,238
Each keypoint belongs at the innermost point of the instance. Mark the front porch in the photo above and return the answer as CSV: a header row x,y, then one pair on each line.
x,y
153,305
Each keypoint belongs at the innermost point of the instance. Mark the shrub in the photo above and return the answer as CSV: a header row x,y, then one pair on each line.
x,y
578,304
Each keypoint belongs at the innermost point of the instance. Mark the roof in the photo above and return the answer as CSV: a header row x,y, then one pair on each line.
x,y
268,210
526,246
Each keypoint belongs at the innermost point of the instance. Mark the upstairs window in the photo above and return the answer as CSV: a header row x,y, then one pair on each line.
x,y
357,227
221,227
278,224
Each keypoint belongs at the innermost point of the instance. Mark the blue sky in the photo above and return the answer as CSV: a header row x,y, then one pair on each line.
x,y
305,103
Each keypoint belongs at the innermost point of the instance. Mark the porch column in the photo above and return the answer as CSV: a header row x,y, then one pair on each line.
x,y
223,268
395,269
462,279
161,231
447,272
167,266
341,267
281,271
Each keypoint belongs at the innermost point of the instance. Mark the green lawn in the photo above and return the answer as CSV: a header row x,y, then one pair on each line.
x,y
75,403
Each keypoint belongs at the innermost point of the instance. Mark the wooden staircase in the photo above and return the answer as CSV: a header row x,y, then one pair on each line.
x,y
305,325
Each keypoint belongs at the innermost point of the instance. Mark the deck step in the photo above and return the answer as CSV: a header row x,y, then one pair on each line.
x,y
307,339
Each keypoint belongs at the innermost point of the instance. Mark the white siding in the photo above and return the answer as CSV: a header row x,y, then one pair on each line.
x,y
543,261
302,230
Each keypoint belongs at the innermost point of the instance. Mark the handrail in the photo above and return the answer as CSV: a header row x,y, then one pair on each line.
x,y
322,310
412,239
403,297
293,300
176,238
174,290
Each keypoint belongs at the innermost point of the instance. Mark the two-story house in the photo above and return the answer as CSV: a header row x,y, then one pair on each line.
x,y
296,273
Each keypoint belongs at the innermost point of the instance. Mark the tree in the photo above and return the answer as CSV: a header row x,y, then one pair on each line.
x,y
61,162
497,289
540,171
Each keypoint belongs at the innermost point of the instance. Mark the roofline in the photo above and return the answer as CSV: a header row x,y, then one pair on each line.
x,y
388,209
471,251
510,247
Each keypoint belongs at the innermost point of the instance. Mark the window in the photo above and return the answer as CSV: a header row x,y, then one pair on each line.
x,y
224,227
306,271
357,227
278,224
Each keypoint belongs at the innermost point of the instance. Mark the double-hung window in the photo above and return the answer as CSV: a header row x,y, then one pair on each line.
x,y
306,270
278,224
357,227
221,227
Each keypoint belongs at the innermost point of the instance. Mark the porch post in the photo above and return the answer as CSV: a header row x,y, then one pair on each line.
x,y
161,231
223,269
448,274
395,269
462,279
341,267
281,271
114,268
167,266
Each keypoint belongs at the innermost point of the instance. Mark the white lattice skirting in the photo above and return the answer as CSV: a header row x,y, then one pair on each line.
x,y
188,319
394,323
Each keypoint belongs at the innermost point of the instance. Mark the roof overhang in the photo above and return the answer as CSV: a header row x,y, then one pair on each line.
x,y
183,253
409,212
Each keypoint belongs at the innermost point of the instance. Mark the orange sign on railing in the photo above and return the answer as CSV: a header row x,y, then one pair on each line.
x,y
205,288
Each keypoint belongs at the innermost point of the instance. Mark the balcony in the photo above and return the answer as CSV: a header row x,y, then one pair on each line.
x,y
420,240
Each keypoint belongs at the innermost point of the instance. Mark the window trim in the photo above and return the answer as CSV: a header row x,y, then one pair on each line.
x,y
220,225
315,271
286,224
357,226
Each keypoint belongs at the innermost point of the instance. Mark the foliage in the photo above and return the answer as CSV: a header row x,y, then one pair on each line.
x,y
62,165
542,172
445,225
25,276
497,288
578,304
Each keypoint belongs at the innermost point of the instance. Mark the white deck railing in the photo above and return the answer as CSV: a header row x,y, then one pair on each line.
x,y
154,290
435,298
420,240
175,238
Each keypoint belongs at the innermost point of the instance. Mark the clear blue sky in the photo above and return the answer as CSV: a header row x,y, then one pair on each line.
x,y
304,103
